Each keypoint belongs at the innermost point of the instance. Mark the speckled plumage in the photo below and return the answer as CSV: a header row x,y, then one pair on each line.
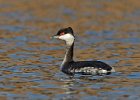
x,y
86,68
71,67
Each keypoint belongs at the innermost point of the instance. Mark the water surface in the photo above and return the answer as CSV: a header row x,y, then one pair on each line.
x,y
104,30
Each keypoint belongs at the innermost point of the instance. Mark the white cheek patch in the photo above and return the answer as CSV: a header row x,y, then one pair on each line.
x,y
68,38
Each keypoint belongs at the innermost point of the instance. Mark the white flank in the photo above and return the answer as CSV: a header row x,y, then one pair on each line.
x,y
91,70
112,70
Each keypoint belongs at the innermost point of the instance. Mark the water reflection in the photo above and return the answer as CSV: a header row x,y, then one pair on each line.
x,y
29,60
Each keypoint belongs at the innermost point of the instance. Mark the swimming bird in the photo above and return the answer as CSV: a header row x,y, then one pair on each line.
x,y
71,67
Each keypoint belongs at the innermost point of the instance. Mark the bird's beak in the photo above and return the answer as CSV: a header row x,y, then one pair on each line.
x,y
55,37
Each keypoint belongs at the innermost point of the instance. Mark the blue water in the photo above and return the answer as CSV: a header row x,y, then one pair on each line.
x,y
30,60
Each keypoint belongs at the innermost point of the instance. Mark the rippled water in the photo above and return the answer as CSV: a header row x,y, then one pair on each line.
x,y
29,59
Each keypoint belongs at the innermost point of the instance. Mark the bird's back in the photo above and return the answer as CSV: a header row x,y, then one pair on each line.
x,y
87,68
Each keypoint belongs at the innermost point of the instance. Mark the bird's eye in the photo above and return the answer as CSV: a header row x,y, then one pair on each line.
x,y
62,33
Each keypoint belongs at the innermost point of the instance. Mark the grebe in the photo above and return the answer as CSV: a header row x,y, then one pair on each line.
x,y
71,67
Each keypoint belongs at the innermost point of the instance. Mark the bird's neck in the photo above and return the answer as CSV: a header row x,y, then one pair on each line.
x,y
69,54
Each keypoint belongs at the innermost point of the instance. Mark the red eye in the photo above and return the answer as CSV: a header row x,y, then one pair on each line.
x,y
62,33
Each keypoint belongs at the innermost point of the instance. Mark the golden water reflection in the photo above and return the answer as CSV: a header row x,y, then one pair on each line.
x,y
29,59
